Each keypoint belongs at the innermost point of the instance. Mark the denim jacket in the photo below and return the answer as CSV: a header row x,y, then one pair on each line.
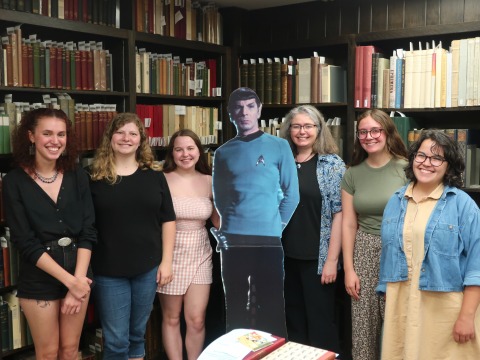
x,y
330,170
452,243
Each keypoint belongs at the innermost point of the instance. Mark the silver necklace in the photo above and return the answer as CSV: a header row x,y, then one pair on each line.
x,y
46,180
299,163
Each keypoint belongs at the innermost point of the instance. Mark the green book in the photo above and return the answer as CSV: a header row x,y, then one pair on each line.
x,y
36,64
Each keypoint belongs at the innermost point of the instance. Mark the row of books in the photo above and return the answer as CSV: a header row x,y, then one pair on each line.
x,y
101,12
89,120
429,77
15,332
165,74
308,80
30,62
469,141
183,19
161,121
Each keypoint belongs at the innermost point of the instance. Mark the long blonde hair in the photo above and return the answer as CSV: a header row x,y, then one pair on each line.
x,y
103,166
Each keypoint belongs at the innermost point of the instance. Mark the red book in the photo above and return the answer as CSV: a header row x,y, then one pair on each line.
x,y
74,10
53,67
367,75
89,127
158,120
24,65
30,65
78,128
259,354
83,61
6,266
90,70
212,65
85,120
150,14
45,7
59,68
78,70
358,97
84,11
67,84
180,26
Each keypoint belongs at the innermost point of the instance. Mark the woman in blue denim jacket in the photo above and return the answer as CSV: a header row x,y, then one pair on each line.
x,y
430,262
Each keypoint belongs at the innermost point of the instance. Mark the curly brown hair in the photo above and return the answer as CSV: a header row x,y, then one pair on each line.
x,y
451,152
21,140
103,166
202,164
394,142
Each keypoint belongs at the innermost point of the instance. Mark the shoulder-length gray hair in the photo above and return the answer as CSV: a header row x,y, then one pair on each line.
x,y
324,143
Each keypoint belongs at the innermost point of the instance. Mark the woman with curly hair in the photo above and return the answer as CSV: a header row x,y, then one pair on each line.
x,y
376,171
430,261
136,233
49,210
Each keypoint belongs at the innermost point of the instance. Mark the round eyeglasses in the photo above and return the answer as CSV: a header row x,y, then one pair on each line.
x,y
374,133
435,160
306,127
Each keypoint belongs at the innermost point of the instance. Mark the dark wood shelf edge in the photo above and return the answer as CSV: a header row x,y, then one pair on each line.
x,y
61,24
186,98
410,33
426,110
288,106
68,91
173,42
307,44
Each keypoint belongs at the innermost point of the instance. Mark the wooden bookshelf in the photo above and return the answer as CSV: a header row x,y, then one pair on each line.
x,y
121,43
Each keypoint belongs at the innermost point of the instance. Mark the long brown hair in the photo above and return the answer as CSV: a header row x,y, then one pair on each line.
x,y
394,142
202,164
21,140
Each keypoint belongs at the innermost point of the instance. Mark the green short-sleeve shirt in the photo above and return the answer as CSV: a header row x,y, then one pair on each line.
x,y
371,189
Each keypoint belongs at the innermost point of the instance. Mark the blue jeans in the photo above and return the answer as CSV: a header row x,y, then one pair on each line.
x,y
124,306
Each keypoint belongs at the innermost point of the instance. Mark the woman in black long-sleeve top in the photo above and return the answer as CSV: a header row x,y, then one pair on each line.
x,y
49,210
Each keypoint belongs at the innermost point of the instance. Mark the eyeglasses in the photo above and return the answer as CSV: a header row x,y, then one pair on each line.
x,y
306,127
435,160
374,133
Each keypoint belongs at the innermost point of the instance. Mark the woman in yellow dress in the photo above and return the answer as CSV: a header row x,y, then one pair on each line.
x,y
430,262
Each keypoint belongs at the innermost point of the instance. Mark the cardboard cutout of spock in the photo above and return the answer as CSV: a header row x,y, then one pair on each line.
x,y
255,191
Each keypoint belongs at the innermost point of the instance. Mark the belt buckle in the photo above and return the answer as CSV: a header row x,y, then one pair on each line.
x,y
64,241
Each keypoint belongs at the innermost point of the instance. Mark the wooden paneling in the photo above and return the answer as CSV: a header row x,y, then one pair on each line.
x,y
332,19
349,17
472,10
379,15
395,14
365,15
432,12
451,11
414,13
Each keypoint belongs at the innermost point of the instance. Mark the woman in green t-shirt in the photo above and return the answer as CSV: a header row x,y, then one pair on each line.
x,y
376,171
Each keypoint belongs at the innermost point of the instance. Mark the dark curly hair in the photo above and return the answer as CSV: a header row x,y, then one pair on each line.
x,y
202,164
394,142
21,141
451,152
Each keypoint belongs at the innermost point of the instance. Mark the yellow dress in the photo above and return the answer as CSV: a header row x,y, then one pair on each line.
x,y
419,324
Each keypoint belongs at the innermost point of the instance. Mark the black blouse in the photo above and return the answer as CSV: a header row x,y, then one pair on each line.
x,y
34,218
